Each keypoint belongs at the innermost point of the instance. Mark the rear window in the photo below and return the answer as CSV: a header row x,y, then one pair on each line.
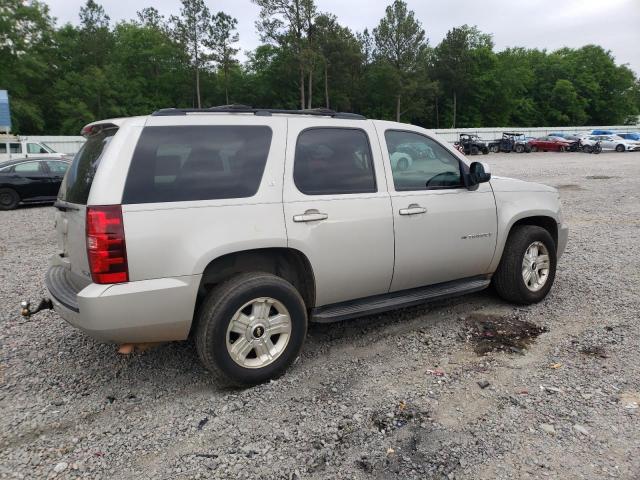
x,y
183,163
77,182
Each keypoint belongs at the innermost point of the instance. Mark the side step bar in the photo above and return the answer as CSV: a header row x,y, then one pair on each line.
x,y
392,301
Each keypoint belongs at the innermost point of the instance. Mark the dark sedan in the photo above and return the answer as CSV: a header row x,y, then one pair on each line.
x,y
31,180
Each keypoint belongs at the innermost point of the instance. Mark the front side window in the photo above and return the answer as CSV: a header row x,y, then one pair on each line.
x,y
15,148
185,163
28,167
35,148
420,163
333,161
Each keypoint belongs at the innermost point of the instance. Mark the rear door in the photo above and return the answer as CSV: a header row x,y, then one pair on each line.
x,y
32,180
72,203
337,208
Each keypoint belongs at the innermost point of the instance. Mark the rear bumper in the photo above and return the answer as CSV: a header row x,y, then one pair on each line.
x,y
144,311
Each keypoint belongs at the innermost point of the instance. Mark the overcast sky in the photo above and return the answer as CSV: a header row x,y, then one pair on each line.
x,y
550,24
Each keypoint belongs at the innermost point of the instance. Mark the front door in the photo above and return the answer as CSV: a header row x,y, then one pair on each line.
x,y
443,231
32,180
337,208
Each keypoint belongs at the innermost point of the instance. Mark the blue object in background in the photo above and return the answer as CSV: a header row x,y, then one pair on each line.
x,y
5,112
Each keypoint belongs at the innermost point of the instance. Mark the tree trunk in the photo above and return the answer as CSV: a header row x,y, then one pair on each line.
x,y
301,87
398,108
310,86
226,86
198,87
455,100
326,86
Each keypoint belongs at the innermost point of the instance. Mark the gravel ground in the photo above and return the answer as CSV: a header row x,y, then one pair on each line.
x,y
393,396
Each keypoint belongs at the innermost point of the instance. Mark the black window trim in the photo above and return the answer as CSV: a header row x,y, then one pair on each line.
x,y
335,127
461,164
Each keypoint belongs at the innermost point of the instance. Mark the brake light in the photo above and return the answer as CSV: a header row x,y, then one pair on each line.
x,y
106,247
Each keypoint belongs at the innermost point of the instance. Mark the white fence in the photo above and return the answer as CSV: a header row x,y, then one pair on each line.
x,y
71,144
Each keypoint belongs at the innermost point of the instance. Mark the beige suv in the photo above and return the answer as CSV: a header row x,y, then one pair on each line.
x,y
237,226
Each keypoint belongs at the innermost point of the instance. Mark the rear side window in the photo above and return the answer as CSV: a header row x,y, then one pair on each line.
x,y
3,148
76,185
333,161
183,163
15,148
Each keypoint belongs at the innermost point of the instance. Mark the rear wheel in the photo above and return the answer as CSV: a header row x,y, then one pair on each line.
x,y
527,268
251,328
9,199
620,148
519,148
485,151
587,148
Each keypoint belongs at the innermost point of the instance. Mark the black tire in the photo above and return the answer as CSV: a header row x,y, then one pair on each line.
x,y
508,280
519,148
216,313
587,148
485,151
620,148
403,164
494,148
9,199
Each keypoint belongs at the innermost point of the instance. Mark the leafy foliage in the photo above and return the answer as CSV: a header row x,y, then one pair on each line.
x,y
60,78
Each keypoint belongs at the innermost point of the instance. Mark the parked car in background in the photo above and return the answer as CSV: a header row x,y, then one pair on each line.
x,y
549,144
610,142
13,148
635,136
602,132
238,226
32,180
510,142
472,144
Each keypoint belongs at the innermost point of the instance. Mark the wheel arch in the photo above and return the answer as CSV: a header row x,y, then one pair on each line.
x,y
287,263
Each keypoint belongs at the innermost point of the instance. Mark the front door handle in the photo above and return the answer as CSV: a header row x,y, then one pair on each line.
x,y
310,216
413,209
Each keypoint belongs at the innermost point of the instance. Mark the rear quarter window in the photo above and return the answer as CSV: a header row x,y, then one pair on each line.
x,y
186,163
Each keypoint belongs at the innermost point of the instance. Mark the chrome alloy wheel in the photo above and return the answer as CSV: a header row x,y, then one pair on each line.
x,y
258,332
535,266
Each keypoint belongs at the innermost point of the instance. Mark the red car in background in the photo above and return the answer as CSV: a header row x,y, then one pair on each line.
x,y
549,144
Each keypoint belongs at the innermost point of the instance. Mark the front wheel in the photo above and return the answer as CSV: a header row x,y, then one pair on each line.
x,y
587,149
620,148
494,148
527,268
9,199
519,148
251,328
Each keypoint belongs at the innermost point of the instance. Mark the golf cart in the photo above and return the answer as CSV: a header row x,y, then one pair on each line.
x,y
510,142
472,144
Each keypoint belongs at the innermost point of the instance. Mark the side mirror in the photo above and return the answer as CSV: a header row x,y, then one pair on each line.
x,y
479,172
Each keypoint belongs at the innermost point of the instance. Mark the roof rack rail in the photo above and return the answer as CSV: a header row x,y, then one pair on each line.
x,y
264,112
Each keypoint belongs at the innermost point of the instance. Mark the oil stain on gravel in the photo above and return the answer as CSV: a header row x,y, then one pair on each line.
x,y
490,332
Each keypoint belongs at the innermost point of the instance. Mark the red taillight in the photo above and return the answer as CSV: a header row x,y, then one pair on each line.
x,y
106,247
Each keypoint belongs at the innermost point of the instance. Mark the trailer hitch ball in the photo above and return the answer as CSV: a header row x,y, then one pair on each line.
x,y
25,307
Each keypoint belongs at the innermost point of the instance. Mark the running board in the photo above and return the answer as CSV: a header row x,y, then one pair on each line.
x,y
401,299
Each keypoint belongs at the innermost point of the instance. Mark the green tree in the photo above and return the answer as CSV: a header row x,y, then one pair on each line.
x,y
221,37
192,27
400,41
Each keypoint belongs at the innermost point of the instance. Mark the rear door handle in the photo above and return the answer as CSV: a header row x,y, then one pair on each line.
x,y
413,209
310,216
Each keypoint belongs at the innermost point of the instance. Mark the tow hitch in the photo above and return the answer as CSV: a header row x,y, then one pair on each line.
x,y
25,307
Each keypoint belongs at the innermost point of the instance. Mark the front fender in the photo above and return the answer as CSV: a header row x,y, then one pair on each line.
x,y
517,205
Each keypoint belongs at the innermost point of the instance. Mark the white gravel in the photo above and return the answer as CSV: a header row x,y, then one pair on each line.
x,y
388,396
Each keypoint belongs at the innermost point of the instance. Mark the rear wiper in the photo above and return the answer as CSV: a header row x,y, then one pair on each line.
x,y
63,207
